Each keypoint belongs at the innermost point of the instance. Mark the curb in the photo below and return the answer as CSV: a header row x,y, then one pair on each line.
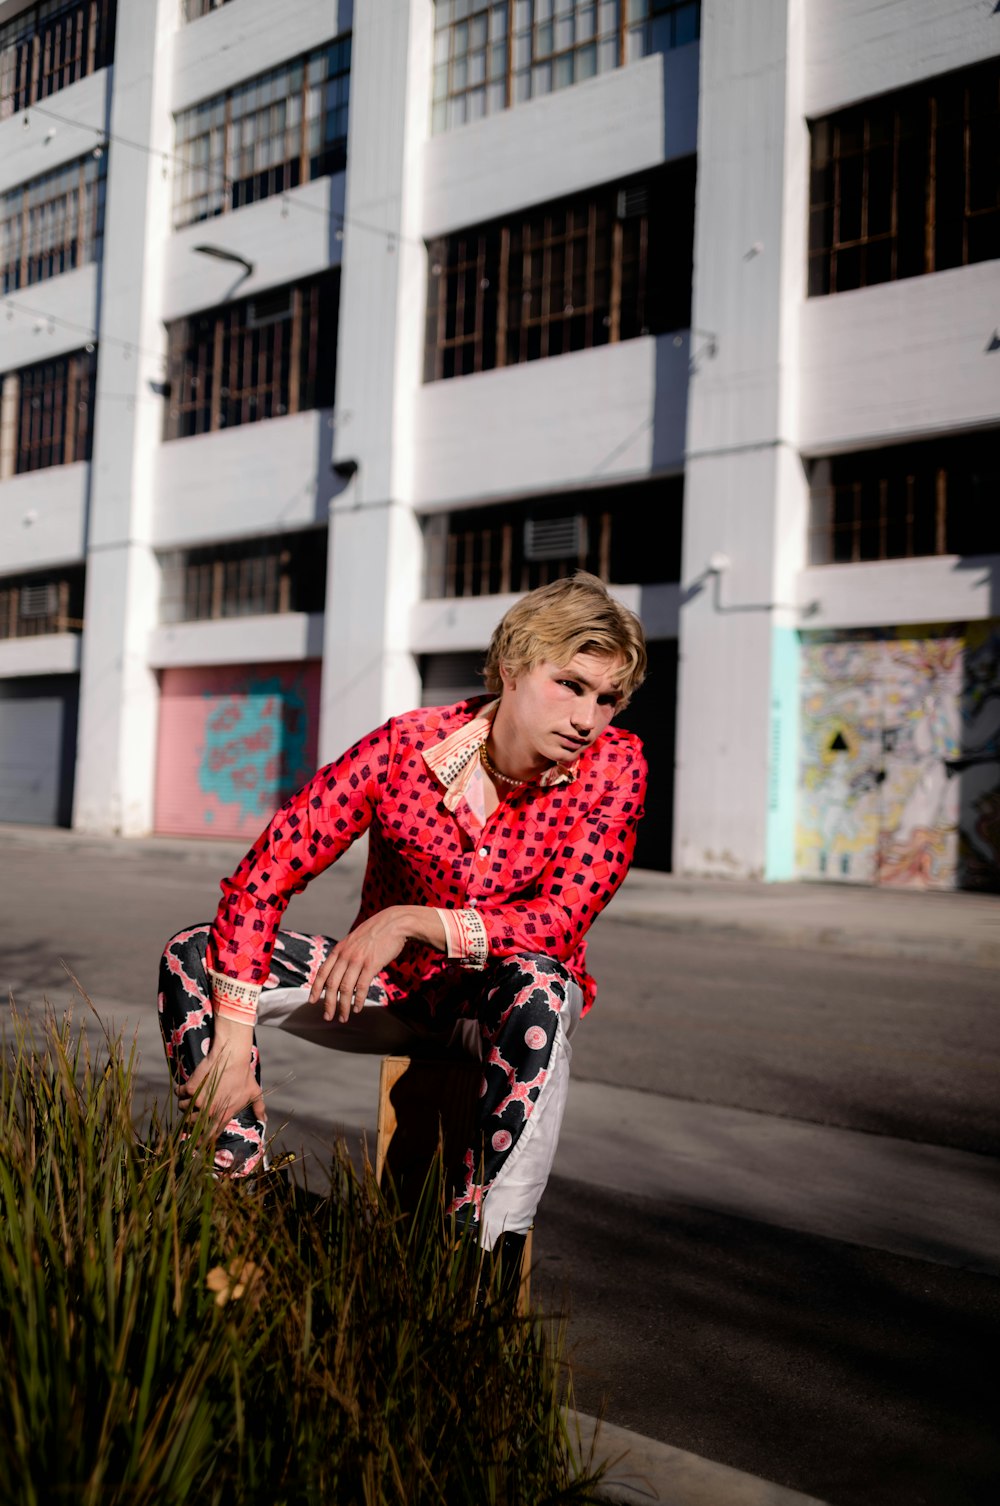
x,y
643,1470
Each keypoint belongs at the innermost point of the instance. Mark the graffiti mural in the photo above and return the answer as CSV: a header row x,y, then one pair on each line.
x,y
233,744
900,780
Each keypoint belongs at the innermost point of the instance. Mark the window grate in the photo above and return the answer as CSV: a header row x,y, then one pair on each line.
x,y
51,45
564,276
39,601
264,137
491,54
555,538
906,184
259,358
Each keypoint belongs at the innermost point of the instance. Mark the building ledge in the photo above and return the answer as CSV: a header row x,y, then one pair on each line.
x,y
282,638
47,654
464,624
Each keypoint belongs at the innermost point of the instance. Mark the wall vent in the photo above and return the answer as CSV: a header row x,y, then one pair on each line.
x,y
270,308
633,202
38,601
555,538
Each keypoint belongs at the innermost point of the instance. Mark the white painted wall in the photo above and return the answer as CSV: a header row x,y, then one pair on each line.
x,y
229,45
856,48
375,545
43,518
443,627
27,151
118,690
48,654
882,593
745,493
26,333
238,640
285,239
584,419
900,360
254,479
369,668
618,123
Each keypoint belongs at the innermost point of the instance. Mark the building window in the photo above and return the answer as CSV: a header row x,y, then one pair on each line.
x,y
260,358
490,54
193,9
54,411
937,497
907,183
256,577
265,136
53,224
45,602
489,551
50,46
592,270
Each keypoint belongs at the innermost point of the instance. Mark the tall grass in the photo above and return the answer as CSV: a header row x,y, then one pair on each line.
x,y
172,1338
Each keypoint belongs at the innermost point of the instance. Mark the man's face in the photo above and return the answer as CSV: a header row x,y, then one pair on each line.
x,y
556,710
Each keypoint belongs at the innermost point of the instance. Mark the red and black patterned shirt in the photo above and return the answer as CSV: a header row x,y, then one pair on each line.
x,y
531,877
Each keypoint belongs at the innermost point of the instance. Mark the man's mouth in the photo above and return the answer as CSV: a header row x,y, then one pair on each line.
x,y
574,742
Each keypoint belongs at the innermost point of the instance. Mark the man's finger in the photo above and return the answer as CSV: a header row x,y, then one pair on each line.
x,y
319,982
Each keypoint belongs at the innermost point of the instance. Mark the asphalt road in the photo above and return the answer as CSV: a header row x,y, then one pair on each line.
x,y
858,1375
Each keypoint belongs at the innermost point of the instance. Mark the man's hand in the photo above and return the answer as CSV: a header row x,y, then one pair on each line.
x,y
224,1083
345,977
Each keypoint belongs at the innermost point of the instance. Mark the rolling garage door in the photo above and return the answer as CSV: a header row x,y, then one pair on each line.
x,y
233,744
38,749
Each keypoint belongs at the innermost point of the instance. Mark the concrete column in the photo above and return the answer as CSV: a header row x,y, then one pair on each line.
x,y
375,544
10,392
116,758
745,507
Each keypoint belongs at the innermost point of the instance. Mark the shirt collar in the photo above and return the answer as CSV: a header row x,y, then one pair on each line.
x,y
453,761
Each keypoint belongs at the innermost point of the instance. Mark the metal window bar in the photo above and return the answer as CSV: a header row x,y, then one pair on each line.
x,y
262,138
942,138
227,370
933,498
52,224
571,276
492,54
52,45
193,10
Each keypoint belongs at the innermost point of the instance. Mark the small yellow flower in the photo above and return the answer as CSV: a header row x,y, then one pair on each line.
x,y
239,1278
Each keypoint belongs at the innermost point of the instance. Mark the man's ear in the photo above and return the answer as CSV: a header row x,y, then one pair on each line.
x,y
507,680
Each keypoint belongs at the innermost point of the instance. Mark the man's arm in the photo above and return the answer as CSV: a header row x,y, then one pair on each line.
x,y
346,975
307,835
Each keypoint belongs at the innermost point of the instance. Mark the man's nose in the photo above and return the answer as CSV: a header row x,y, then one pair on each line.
x,y
584,712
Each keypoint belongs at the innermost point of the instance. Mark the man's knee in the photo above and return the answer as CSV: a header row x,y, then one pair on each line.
x,y
192,937
531,970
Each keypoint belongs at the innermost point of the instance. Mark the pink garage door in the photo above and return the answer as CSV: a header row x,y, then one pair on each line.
x,y
233,744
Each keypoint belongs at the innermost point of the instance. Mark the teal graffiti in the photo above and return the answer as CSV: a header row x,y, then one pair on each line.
x,y
255,745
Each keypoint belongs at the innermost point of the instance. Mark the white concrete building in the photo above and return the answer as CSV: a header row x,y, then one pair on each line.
x,y
328,328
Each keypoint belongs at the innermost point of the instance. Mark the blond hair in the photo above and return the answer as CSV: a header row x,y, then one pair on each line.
x,y
577,615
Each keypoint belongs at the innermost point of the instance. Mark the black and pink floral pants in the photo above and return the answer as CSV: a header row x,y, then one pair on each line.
x,y
516,1017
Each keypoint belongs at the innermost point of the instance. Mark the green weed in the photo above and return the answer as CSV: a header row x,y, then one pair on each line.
x,y
168,1337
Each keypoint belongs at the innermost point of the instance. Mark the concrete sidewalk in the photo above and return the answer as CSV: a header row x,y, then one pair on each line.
x,y
853,918
869,922
643,1470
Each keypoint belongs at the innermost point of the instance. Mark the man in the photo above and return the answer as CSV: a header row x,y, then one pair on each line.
x,y
499,828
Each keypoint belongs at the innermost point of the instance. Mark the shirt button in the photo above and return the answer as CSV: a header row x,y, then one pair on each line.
x,y
484,852
472,903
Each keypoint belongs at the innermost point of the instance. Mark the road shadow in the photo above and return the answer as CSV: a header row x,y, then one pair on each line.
x,y
861,1378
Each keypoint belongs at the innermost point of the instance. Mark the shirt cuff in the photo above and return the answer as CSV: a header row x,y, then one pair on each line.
x,y
466,937
234,999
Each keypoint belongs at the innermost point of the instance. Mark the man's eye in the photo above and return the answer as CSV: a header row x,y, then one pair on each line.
x,y
571,685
